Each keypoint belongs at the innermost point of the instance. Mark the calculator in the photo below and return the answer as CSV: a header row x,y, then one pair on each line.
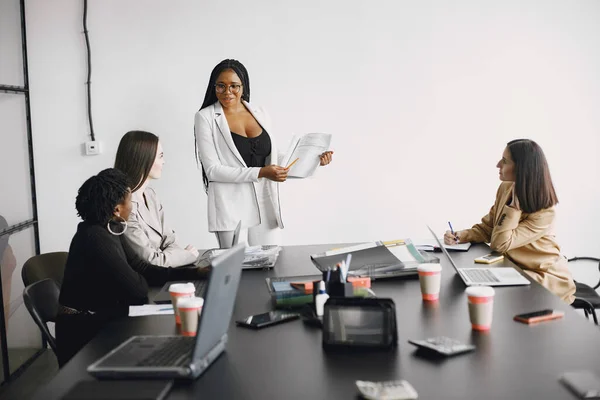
x,y
387,390
443,345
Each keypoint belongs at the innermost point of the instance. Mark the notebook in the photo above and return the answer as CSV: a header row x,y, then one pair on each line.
x,y
485,276
432,245
184,357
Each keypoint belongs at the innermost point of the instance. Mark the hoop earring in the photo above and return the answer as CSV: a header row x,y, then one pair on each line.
x,y
119,233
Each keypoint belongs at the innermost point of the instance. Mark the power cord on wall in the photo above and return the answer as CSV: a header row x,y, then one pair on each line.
x,y
89,71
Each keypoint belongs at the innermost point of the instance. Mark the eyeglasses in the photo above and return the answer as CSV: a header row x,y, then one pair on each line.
x,y
222,88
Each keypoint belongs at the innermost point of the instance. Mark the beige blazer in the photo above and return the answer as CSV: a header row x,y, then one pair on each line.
x,y
528,240
148,235
232,184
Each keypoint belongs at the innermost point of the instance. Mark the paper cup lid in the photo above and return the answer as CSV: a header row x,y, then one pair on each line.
x,y
429,267
182,288
480,291
190,302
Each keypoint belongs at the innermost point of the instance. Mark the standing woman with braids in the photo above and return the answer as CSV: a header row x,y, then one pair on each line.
x,y
100,281
520,224
235,146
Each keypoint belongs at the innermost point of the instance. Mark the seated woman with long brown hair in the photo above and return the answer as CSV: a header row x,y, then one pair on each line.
x,y
520,224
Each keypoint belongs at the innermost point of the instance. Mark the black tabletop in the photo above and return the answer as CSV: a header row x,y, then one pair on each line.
x,y
512,360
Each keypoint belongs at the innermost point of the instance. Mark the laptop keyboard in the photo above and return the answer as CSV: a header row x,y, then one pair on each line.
x,y
170,353
479,275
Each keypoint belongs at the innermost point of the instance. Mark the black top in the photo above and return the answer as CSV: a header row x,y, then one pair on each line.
x,y
254,150
97,261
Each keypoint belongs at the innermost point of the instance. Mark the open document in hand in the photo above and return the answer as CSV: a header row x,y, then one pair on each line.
x,y
306,149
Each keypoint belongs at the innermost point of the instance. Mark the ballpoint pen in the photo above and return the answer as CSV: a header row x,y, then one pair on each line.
x,y
452,231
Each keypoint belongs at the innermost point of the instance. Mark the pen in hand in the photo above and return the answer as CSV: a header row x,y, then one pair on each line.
x,y
292,163
452,231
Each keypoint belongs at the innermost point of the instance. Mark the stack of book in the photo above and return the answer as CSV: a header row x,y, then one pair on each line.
x,y
296,291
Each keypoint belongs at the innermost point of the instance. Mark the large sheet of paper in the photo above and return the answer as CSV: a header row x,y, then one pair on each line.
x,y
150,309
306,149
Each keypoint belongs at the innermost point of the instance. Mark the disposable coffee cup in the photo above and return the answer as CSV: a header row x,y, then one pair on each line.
x,y
189,310
481,307
179,291
430,277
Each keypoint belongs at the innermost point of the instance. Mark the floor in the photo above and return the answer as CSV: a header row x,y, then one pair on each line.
x,y
40,372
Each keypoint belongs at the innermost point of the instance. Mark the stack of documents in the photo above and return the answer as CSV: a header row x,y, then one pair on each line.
x,y
377,259
304,152
255,256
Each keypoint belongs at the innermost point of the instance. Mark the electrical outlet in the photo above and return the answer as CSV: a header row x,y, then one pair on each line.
x,y
92,148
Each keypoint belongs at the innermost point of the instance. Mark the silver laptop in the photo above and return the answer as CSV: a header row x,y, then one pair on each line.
x,y
174,356
485,276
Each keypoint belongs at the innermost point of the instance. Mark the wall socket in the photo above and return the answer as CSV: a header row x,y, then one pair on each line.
x,y
92,148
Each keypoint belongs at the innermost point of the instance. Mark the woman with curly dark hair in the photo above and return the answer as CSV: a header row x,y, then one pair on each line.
x,y
101,280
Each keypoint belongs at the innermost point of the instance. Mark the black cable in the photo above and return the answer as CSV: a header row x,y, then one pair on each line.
x,y
89,71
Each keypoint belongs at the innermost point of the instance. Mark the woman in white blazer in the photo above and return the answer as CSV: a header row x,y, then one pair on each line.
x,y
140,157
240,163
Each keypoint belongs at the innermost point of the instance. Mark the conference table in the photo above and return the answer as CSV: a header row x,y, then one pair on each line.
x,y
286,361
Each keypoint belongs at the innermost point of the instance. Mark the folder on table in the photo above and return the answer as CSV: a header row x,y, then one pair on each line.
x,y
376,260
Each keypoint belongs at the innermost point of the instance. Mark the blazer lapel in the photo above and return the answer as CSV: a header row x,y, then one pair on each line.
x,y
145,213
223,126
257,115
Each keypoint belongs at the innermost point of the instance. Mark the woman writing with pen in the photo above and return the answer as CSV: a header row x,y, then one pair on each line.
x,y
240,162
520,224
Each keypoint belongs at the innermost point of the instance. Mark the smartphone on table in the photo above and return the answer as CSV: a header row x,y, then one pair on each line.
x,y
489,258
267,319
539,316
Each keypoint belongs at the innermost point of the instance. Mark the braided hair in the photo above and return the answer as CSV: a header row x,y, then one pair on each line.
x,y
210,97
100,194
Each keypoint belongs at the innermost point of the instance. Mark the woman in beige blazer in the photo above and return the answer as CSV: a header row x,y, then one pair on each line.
x,y
520,224
140,157
240,163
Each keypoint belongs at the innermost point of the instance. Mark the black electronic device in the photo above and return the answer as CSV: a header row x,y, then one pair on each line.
x,y
359,323
267,319
539,316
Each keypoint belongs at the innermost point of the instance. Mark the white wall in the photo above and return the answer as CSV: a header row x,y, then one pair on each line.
x,y
421,98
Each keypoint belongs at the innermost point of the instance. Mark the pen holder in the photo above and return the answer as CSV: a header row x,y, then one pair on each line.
x,y
340,289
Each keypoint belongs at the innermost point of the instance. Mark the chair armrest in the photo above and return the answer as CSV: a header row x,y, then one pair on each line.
x,y
588,259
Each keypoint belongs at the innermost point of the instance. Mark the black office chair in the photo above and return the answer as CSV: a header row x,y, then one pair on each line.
x,y
41,300
586,297
47,265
